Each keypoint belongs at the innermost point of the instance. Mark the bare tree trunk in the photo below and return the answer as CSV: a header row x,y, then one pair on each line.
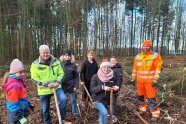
x,y
158,28
107,28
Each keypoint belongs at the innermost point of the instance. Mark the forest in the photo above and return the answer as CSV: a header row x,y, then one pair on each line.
x,y
109,28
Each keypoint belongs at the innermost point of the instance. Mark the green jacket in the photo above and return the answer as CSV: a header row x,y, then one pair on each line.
x,y
42,75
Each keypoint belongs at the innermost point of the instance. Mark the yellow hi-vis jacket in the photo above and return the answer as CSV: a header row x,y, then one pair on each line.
x,y
43,74
147,67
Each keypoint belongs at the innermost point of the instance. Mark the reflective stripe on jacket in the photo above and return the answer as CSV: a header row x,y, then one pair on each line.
x,y
147,67
46,74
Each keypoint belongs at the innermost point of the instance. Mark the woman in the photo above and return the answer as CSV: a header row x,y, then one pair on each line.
x,y
101,85
70,82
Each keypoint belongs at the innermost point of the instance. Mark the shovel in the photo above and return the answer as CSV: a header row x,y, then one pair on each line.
x,y
111,105
57,106
82,83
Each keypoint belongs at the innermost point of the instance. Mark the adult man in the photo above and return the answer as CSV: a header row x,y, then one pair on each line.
x,y
46,73
146,70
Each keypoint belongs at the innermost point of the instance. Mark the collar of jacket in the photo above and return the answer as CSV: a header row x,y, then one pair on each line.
x,y
148,53
67,62
116,66
51,59
13,76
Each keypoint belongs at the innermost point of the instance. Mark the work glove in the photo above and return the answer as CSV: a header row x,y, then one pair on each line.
x,y
154,84
23,121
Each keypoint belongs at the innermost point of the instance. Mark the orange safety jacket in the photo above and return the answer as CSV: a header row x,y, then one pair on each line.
x,y
147,67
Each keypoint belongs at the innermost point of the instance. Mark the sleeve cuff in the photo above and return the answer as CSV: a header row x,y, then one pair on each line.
x,y
59,82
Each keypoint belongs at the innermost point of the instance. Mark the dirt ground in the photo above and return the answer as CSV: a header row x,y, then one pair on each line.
x,y
171,94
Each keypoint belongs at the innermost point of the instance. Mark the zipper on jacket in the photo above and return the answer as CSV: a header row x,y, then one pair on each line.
x,y
146,63
53,70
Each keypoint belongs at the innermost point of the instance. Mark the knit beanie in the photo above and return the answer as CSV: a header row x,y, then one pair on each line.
x,y
147,43
67,52
16,66
103,64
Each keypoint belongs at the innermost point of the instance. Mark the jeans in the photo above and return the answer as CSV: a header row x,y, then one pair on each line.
x,y
103,113
45,101
73,103
115,105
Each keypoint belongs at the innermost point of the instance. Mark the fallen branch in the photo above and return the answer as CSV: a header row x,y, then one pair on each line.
x,y
139,116
131,107
127,74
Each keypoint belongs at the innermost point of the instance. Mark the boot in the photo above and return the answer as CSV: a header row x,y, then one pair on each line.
x,y
114,119
66,122
153,119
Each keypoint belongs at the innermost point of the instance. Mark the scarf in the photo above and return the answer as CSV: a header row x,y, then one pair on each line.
x,y
105,77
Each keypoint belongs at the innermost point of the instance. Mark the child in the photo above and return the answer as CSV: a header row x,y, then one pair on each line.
x,y
70,82
117,69
88,69
16,96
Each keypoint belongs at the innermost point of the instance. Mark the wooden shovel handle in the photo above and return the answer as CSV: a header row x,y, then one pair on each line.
x,y
57,106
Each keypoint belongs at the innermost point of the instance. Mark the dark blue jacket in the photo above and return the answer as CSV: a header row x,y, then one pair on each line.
x,y
71,77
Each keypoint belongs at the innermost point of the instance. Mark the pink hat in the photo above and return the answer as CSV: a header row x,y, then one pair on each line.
x,y
16,66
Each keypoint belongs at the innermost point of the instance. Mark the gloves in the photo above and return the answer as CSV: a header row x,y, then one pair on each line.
x,y
154,84
106,88
23,121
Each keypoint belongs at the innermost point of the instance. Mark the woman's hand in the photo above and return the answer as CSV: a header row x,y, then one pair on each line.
x,y
115,88
106,88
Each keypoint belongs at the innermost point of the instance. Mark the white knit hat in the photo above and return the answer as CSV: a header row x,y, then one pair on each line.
x,y
103,64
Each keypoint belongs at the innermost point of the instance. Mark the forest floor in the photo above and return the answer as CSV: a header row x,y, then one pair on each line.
x,y
172,95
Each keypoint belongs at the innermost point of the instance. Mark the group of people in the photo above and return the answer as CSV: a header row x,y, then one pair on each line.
x,y
62,77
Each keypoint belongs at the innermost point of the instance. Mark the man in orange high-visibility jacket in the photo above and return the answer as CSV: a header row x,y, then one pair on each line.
x,y
146,70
